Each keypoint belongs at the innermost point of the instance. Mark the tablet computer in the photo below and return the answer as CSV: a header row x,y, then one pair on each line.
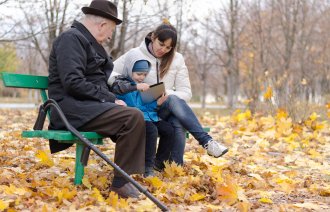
x,y
153,93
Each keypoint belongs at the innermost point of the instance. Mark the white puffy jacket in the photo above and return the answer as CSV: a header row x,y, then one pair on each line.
x,y
176,79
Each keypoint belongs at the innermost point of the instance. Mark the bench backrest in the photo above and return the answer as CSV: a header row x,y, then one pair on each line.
x,y
27,81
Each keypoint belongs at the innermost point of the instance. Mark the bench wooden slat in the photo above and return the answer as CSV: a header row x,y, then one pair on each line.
x,y
25,81
60,135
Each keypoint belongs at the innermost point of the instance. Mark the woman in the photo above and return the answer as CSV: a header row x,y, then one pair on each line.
x,y
169,67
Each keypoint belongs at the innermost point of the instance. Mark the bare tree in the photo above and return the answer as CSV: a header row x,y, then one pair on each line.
x,y
200,60
255,50
43,28
3,2
226,31
123,31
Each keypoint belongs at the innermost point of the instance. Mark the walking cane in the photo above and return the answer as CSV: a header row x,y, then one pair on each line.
x,y
89,146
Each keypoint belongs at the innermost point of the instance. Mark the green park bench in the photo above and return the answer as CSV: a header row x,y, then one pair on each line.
x,y
41,83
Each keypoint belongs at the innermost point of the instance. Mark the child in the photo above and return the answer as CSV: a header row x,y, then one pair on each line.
x,y
128,87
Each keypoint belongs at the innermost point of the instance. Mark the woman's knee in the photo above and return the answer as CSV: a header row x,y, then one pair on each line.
x,y
177,103
173,99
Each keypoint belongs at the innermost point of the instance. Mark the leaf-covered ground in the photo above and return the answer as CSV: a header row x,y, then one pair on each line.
x,y
273,165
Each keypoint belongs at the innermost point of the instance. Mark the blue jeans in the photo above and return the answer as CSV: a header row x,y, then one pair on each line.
x,y
166,132
180,115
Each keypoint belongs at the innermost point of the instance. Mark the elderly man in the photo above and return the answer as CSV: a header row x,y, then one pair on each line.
x,y
78,71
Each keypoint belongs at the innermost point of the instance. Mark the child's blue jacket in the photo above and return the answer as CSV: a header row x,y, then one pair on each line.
x,y
125,89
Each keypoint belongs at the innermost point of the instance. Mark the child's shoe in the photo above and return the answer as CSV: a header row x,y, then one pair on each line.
x,y
149,172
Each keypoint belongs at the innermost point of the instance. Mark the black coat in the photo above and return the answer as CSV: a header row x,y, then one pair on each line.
x,y
78,71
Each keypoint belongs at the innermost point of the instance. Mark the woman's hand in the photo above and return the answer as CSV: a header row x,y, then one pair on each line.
x,y
162,99
142,86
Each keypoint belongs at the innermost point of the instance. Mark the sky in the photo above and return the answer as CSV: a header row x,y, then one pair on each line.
x,y
195,8
198,7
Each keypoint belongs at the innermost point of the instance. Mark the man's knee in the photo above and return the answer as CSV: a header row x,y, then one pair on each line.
x,y
136,115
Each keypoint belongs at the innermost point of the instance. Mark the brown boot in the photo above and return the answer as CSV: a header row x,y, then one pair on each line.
x,y
126,191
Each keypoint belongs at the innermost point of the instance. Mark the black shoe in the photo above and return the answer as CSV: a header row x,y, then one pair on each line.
x,y
126,191
159,166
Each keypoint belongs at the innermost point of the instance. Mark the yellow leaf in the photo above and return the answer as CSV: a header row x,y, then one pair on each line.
x,y
243,206
268,94
59,195
313,116
314,153
97,194
227,192
287,187
325,192
123,203
281,113
196,197
172,169
85,182
112,199
319,126
197,169
286,184
154,181
102,180
166,21
14,190
216,173
45,158
3,205
265,200
116,202
69,194
244,116
65,194
284,127
181,192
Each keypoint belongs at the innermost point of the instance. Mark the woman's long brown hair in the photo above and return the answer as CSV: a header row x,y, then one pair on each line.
x,y
162,33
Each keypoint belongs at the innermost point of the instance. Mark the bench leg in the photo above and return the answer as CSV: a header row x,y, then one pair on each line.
x,y
79,168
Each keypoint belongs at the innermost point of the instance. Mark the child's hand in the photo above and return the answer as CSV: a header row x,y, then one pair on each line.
x,y
162,99
120,102
142,86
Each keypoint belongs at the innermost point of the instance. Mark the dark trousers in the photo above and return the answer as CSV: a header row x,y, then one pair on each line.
x,y
126,127
166,132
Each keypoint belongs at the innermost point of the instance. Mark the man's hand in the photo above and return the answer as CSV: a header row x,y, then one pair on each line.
x,y
120,102
162,99
142,86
